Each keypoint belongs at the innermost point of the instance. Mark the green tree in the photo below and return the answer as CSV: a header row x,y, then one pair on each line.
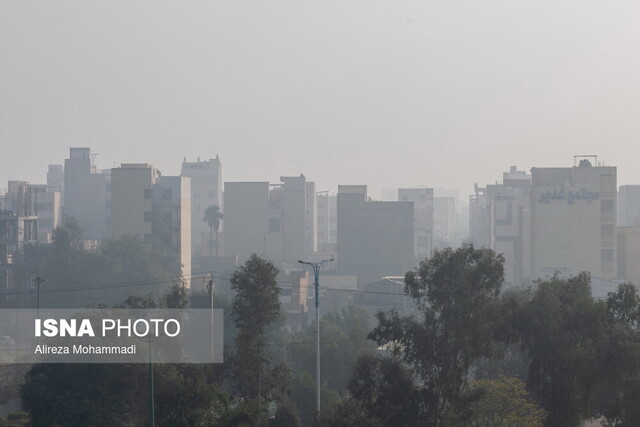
x,y
562,329
504,402
212,216
343,339
620,359
385,389
457,297
256,305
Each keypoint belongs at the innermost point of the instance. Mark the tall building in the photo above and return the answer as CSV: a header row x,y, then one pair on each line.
x,y
509,205
171,219
375,239
206,191
39,201
85,193
444,222
247,218
154,207
270,220
574,220
628,205
422,199
131,199
327,206
55,179
628,252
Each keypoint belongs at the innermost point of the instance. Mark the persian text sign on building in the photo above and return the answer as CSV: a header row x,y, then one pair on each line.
x,y
111,336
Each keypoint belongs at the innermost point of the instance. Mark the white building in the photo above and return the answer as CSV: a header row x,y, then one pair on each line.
x,y
574,220
422,199
206,191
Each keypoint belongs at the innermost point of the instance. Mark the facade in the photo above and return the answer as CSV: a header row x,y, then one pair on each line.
x,y
270,220
55,179
206,191
479,228
327,220
574,220
628,205
36,200
294,291
422,199
246,218
153,207
85,193
444,222
375,239
131,199
628,245
171,219
510,224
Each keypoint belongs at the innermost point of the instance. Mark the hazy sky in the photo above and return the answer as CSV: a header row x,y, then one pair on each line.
x,y
435,93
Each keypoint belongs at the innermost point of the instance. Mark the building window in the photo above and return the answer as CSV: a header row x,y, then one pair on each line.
x,y
274,225
147,194
422,242
606,234
607,256
167,194
147,216
606,206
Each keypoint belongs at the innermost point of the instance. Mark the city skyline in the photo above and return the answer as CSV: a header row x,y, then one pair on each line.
x,y
429,94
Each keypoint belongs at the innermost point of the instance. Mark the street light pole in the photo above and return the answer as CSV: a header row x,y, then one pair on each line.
x,y
38,281
316,273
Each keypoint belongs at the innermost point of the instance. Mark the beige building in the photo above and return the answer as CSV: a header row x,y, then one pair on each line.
x,y
154,207
574,220
131,199
206,191
629,253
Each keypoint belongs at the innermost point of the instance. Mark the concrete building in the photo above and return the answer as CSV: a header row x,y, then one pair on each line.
x,y
628,245
509,205
55,179
479,228
422,199
574,220
171,219
36,200
327,220
206,191
628,205
375,239
294,292
15,232
155,208
270,220
85,193
444,222
132,199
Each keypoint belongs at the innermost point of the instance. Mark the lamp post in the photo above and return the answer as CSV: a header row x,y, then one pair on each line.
x,y
316,272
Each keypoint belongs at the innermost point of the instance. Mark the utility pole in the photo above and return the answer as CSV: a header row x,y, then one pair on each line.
x,y
210,287
316,273
151,405
38,280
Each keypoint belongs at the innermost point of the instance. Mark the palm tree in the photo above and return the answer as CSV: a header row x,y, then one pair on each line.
x,y
212,216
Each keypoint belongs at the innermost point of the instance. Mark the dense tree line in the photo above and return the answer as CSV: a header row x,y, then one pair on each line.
x,y
472,354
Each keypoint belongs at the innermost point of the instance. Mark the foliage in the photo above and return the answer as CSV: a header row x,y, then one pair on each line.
x,y
343,338
255,307
504,402
456,292
386,391
561,329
